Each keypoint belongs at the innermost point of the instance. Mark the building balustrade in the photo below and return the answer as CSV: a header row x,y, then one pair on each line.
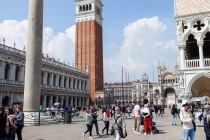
x,y
192,63
207,62
4,81
14,50
196,64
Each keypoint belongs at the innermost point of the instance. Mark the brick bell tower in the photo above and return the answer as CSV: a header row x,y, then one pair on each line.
x,y
89,42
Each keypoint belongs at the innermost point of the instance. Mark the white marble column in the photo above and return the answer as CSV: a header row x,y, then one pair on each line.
x,y
56,99
62,81
76,87
182,56
72,80
72,101
79,88
67,100
87,85
11,99
45,78
57,80
51,79
1,99
2,68
21,73
32,87
12,72
67,82
44,99
87,101
83,85
51,101
201,57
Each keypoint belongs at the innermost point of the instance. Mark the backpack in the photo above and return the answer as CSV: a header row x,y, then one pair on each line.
x,y
172,112
133,113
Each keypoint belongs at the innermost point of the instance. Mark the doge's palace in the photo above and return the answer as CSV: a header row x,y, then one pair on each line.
x,y
193,40
60,83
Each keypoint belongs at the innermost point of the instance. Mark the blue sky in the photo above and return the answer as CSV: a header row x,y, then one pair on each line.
x,y
121,18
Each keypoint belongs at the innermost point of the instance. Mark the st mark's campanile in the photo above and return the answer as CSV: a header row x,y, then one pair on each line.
x,y
89,42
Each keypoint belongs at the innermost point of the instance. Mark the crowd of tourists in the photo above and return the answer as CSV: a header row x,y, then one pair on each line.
x,y
142,113
187,117
11,122
114,119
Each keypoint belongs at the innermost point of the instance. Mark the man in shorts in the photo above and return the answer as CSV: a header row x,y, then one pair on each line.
x,y
137,118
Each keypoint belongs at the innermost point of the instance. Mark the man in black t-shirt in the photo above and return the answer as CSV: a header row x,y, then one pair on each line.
x,y
94,118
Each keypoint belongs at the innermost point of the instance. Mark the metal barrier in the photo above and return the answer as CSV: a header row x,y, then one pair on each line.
x,y
38,118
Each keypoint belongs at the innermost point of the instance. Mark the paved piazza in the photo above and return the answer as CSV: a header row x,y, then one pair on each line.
x,y
74,131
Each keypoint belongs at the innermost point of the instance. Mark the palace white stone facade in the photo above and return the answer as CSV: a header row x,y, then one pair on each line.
x,y
193,37
60,82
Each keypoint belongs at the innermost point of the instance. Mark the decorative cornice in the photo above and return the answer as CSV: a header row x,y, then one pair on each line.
x,y
192,16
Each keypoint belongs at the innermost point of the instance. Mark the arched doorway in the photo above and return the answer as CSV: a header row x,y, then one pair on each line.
x,y
5,101
200,87
169,94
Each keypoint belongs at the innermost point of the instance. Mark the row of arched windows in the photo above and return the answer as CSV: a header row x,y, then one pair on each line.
x,y
86,7
166,81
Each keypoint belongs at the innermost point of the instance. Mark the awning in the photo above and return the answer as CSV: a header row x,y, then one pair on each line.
x,y
198,99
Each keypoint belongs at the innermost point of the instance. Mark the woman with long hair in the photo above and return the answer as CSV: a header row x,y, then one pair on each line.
x,y
106,117
146,117
3,121
89,124
20,121
11,122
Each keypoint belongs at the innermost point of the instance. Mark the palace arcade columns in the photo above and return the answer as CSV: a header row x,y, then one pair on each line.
x,y
182,55
51,100
44,100
201,58
72,101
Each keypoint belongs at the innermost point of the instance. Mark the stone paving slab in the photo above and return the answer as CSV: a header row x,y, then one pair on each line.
x,y
74,131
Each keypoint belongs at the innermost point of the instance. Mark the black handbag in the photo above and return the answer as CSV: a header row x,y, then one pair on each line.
x,y
122,135
194,125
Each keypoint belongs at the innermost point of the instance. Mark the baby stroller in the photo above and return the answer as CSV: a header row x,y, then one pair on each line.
x,y
154,128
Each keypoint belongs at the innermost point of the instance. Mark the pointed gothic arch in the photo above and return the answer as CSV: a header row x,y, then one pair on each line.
x,y
206,45
191,50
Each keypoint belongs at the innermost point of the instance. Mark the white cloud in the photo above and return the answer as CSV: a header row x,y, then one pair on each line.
x,y
144,44
60,45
